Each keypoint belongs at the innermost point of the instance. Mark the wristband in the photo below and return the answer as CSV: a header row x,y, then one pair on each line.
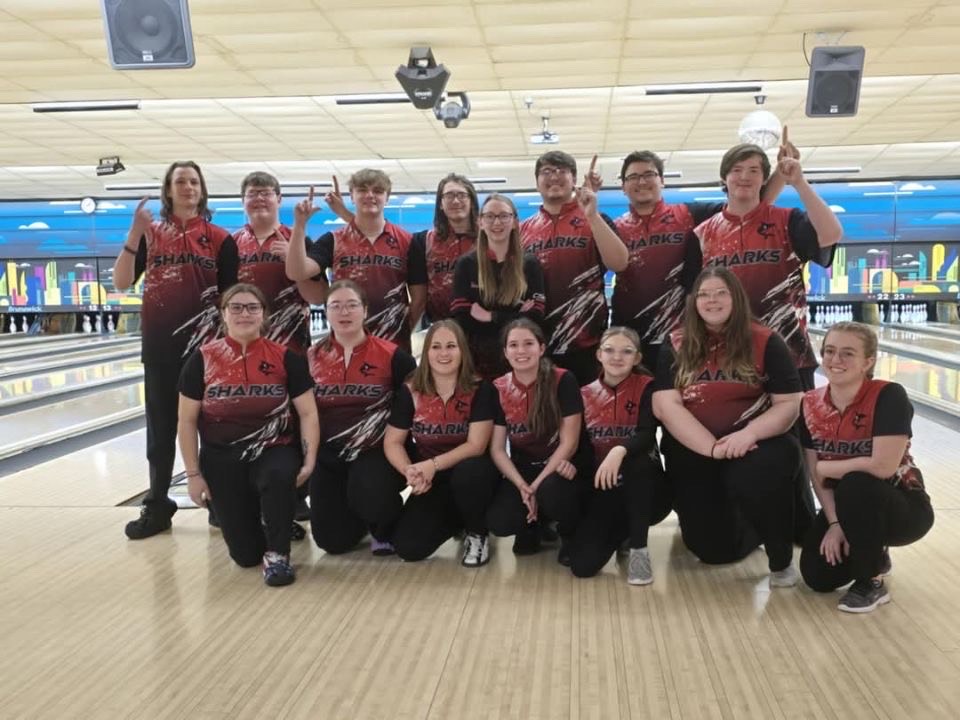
x,y
835,522
126,248
192,473
712,448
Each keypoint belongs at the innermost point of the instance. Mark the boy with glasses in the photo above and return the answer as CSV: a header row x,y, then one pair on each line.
x,y
372,252
575,245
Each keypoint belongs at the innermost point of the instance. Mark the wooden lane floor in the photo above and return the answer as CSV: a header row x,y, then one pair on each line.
x,y
58,382
100,627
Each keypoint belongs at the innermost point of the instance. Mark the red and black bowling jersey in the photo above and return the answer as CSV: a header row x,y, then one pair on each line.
x,y
261,266
576,312
515,399
354,399
245,396
484,337
766,249
441,257
437,426
383,268
880,408
621,415
649,295
725,404
187,264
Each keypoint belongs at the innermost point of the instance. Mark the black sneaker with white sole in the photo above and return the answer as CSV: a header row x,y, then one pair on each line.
x,y
476,550
864,596
154,519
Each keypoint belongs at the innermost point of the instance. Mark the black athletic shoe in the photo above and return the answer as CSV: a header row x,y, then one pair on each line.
x,y
548,532
527,541
297,532
563,556
212,520
864,596
303,510
277,570
152,520
886,564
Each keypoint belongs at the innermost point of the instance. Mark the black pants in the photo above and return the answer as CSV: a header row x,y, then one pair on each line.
x,y
643,498
557,499
161,396
458,499
244,492
350,499
728,507
873,514
581,362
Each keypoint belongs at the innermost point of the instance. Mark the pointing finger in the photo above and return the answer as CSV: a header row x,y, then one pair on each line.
x,y
336,185
785,139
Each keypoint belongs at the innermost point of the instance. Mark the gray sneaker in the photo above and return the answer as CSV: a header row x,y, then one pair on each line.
x,y
639,570
788,577
863,596
476,550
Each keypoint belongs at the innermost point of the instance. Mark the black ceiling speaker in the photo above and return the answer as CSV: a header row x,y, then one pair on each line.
x,y
422,79
834,86
148,34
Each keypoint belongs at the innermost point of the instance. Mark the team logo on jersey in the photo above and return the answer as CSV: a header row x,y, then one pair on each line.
x,y
460,406
265,367
576,222
765,230
392,242
668,218
630,406
366,369
858,419
203,240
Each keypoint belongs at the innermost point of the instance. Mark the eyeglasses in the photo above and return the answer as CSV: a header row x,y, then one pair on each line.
x,y
254,308
454,196
713,294
549,172
494,218
648,176
349,306
262,194
623,352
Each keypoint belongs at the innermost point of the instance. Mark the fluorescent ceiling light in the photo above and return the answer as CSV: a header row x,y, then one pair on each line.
x,y
702,88
847,170
487,180
304,183
86,106
673,174
374,99
132,186
545,138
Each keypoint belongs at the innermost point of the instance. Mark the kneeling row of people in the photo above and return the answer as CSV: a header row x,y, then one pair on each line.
x,y
727,394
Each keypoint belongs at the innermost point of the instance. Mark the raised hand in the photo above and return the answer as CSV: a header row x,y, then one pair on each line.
x,y
334,201
592,179
142,219
790,170
787,148
305,209
587,199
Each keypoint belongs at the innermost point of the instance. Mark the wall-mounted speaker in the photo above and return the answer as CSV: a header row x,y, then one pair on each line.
x,y
148,34
833,89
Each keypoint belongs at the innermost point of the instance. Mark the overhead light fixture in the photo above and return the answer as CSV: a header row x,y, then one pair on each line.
x,y
702,88
122,187
452,112
761,127
545,136
109,166
487,180
673,174
86,106
851,170
304,183
372,99
422,79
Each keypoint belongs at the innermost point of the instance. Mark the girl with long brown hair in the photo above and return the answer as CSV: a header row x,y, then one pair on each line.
x,y
541,416
727,393
437,438
495,284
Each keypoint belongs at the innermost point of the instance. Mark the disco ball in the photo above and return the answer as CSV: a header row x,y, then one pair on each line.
x,y
761,127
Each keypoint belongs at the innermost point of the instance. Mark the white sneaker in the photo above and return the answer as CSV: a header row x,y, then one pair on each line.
x,y
639,569
476,550
788,577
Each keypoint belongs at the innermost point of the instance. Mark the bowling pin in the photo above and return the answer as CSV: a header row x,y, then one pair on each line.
x,y
97,324
13,325
87,327
110,326
24,327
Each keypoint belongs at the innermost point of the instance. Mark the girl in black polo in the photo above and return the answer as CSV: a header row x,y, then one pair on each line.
x,y
448,414
495,284
856,435
727,393
541,414
354,490
238,392
630,490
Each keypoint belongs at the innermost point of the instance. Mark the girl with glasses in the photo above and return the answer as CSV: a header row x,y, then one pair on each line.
x,y
354,490
437,439
496,284
237,392
727,392
630,491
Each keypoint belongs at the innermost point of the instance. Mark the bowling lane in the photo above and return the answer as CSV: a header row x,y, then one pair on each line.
x,y
33,366
43,425
933,381
34,387
65,347
8,341
918,338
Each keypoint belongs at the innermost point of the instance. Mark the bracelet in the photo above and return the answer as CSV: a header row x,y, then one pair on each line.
x,y
192,473
126,248
712,448
436,465
835,522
